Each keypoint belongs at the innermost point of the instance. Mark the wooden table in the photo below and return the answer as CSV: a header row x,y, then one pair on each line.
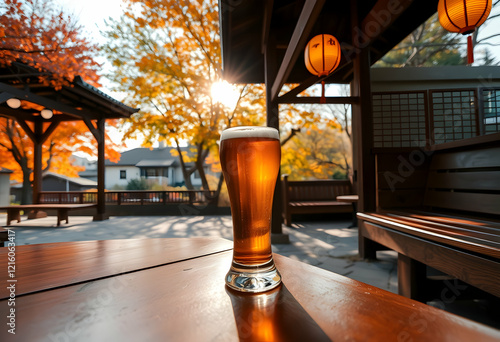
x,y
353,199
173,290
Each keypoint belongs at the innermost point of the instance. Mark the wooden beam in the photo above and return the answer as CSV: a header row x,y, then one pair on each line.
x,y
380,18
27,129
306,84
266,26
95,132
328,100
18,113
48,103
53,125
272,109
307,19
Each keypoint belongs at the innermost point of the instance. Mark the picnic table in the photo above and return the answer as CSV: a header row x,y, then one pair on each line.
x,y
173,290
14,211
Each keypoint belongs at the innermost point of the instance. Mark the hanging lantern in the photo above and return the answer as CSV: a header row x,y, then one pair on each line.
x,y
463,16
322,57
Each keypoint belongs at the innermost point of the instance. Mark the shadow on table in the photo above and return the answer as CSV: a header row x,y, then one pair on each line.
x,y
273,316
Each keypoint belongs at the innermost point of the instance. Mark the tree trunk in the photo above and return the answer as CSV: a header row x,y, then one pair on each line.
x,y
185,172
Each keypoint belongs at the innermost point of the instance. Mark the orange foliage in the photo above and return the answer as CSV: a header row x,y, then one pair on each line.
x,y
36,33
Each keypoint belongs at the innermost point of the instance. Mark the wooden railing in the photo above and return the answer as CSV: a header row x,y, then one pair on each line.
x,y
130,197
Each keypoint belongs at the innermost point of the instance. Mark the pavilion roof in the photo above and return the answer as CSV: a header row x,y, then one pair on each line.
x,y
76,101
247,27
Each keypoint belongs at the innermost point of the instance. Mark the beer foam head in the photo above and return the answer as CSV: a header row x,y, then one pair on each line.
x,y
250,132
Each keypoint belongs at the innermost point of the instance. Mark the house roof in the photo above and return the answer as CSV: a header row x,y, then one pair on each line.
x,y
76,180
4,170
155,163
145,157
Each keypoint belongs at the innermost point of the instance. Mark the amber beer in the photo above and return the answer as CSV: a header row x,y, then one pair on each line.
x,y
250,160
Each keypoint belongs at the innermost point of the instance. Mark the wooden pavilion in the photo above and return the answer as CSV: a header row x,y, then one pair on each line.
x,y
264,41
76,101
426,163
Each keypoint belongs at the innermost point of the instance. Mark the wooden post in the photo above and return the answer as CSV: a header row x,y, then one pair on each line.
x,y
272,108
98,133
37,161
362,132
101,157
411,278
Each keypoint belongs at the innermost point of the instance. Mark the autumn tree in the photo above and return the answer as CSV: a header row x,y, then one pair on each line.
x,y
166,56
37,34
319,152
431,45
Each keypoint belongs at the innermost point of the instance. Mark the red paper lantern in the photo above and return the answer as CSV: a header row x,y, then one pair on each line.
x,y
322,56
463,16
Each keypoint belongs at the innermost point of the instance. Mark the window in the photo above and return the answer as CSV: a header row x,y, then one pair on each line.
x,y
399,119
491,111
454,115
123,174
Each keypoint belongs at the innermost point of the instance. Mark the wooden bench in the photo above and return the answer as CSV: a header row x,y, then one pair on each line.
x,y
314,197
14,211
455,230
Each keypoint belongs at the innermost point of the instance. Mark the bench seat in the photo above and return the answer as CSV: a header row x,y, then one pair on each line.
x,y
455,229
314,197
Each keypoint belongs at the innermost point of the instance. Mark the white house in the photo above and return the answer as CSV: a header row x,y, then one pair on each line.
x,y
158,164
4,186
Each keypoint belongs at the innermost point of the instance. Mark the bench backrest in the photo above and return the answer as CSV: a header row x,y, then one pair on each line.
x,y
315,190
465,180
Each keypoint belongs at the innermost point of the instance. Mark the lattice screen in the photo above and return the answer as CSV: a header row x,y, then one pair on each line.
x,y
453,115
491,110
399,119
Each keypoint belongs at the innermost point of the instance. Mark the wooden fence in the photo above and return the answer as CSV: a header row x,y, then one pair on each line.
x,y
130,197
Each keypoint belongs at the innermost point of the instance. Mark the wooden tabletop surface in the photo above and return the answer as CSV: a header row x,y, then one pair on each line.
x,y
173,290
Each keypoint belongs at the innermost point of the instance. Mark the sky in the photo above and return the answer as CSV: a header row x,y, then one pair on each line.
x,y
91,15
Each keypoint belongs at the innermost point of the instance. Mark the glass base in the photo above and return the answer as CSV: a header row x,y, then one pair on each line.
x,y
254,279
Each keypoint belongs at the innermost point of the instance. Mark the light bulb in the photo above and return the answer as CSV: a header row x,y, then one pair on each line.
x,y
46,113
14,103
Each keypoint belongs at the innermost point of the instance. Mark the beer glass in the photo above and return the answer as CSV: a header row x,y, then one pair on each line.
x,y
250,160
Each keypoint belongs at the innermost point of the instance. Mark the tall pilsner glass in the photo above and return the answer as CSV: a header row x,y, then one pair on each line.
x,y
250,159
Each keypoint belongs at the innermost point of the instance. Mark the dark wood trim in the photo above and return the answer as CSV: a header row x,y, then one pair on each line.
x,y
315,99
484,139
376,20
307,19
